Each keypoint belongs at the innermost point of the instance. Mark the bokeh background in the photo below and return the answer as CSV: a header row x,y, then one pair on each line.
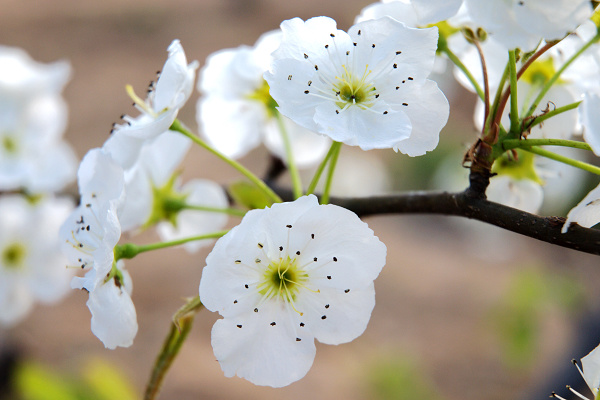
x,y
464,311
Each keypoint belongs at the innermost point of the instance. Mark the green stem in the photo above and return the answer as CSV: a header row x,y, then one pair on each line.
x,y
178,127
332,165
510,144
294,174
465,71
180,328
229,211
555,77
539,119
130,250
315,180
514,105
565,160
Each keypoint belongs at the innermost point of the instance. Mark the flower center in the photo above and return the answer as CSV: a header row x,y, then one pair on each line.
x,y
282,278
352,90
263,96
13,256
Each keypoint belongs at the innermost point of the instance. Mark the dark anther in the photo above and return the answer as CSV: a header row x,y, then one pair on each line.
x,y
246,286
288,226
312,235
298,253
239,326
256,310
385,112
398,52
306,92
326,305
315,259
305,55
280,248
337,111
273,323
373,45
405,104
324,317
298,339
329,277
346,291
235,302
395,65
301,324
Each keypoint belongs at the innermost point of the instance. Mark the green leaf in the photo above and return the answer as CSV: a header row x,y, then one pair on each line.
x,y
35,382
106,382
248,195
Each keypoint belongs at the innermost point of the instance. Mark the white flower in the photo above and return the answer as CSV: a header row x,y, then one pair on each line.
x,y
522,194
153,167
114,320
590,374
586,213
366,88
158,111
188,223
236,111
524,23
412,13
92,230
283,277
31,264
33,117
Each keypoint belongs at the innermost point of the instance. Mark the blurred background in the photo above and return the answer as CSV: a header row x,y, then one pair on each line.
x,y
464,311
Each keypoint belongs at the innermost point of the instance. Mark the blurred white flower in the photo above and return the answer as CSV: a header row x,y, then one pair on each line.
x,y
524,23
33,117
32,267
152,169
236,111
157,113
413,13
366,88
283,277
187,223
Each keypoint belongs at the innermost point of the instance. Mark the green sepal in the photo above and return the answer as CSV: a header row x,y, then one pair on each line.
x,y
248,195
166,203
519,167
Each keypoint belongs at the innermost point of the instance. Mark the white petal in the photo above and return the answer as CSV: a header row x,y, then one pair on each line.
x,y
400,11
590,118
250,347
346,314
428,112
523,194
176,80
433,11
114,320
100,177
587,212
591,369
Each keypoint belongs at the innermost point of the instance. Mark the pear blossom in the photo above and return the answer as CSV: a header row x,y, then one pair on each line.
x,y
590,372
236,112
285,276
158,111
365,88
413,13
524,23
92,230
89,236
187,223
31,263
33,117
152,169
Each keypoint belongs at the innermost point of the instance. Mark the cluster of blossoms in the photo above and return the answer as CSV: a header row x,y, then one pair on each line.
x,y
35,165
288,273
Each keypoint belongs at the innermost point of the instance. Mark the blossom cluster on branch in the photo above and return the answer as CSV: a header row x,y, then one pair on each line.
x,y
304,269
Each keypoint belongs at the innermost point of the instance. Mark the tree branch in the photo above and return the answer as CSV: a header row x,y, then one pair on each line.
x,y
546,229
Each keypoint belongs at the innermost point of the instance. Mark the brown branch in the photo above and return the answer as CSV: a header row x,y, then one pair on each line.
x,y
546,229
